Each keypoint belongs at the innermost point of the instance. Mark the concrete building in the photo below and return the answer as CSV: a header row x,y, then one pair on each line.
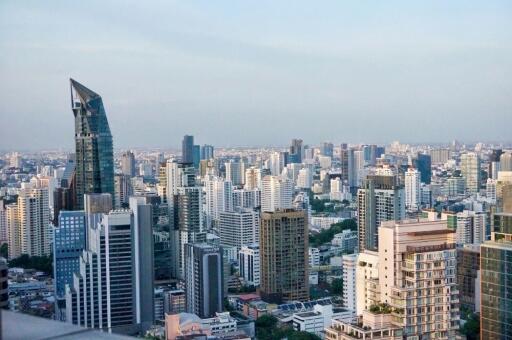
x,y
367,278
204,279
284,256
238,228
128,164
470,169
249,264
412,190
277,194
218,199
469,277
349,281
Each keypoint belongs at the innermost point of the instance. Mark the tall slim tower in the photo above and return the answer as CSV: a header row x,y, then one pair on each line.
x,y
93,142
412,190
470,169
187,149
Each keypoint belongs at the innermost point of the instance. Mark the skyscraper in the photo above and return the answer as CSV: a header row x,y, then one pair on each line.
x,y
379,199
249,263
239,227
204,279
423,163
296,151
218,197
187,149
412,190
93,142
284,256
128,164
235,171
470,169
207,152
506,161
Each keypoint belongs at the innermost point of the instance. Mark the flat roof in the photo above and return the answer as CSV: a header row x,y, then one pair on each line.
x,y
23,326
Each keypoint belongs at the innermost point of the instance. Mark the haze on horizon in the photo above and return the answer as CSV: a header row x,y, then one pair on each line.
x,y
258,72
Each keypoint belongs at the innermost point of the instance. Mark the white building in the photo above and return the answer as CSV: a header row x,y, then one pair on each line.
x,y
238,228
249,263
252,178
305,178
314,257
277,194
276,163
319,318
412,190
235,172
218,198
470,227
346,241
243,198
367,275
349,281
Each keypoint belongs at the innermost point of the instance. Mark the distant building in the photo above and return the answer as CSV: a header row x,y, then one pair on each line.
x,y
187,149
249,264
470,169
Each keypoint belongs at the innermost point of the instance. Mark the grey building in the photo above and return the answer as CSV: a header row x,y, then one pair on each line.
x,y
204,279
93,142
187,149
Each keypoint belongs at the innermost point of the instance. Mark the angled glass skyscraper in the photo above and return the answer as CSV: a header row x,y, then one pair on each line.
x,y
93,141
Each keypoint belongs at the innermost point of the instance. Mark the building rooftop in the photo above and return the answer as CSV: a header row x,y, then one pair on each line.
x,y
39,328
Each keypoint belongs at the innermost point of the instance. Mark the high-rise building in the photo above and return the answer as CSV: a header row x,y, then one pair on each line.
x,y
207,152
379,199
93,141
28,223
252,178
440,156
506,161
196,156
218,199
249,263
204,279
284,256
423,163
470,169
113,289
468,277
470,227
3,222
496,282
296,151
412,190
276,163
277,193
122,190
305,179
243,198
187,149
128,164
417,277
69,241
348,171
188,224
327,149
235,171
349,281
239,227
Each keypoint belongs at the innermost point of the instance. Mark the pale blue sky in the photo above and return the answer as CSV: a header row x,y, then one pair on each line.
x,y
258,72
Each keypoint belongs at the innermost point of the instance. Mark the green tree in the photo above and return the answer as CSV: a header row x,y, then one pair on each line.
x,y
327,235
337,286
471,328
40,263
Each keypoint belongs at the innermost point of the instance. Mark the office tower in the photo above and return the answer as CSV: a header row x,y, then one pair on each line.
x,y
122,190
204,279
252,178
235,171
188,223
423,163
305,179
417,277
506,161
284,256
28,223
470,169
218,197
249,264
358,164
277,193
327,149
196,156
276,163
349,281
128,164
208,167
373,155
348,172
379,199
93,141
440,156
412,190
243,198
175,301
494,163
69,241
187,149
207,152
468,277
496,281
113,290
239,227
296,151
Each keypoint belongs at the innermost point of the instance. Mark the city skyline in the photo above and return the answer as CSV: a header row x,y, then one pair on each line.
x,y
351,68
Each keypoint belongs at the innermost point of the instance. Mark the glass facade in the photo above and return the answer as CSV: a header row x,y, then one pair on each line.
x,y
93,142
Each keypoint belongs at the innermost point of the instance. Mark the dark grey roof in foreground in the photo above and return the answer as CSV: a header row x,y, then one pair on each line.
x,y
18,326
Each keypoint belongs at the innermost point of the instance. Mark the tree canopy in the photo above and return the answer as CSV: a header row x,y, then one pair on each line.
x,y
327,235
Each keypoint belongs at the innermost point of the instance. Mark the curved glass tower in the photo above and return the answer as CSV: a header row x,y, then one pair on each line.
x,y
93,141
